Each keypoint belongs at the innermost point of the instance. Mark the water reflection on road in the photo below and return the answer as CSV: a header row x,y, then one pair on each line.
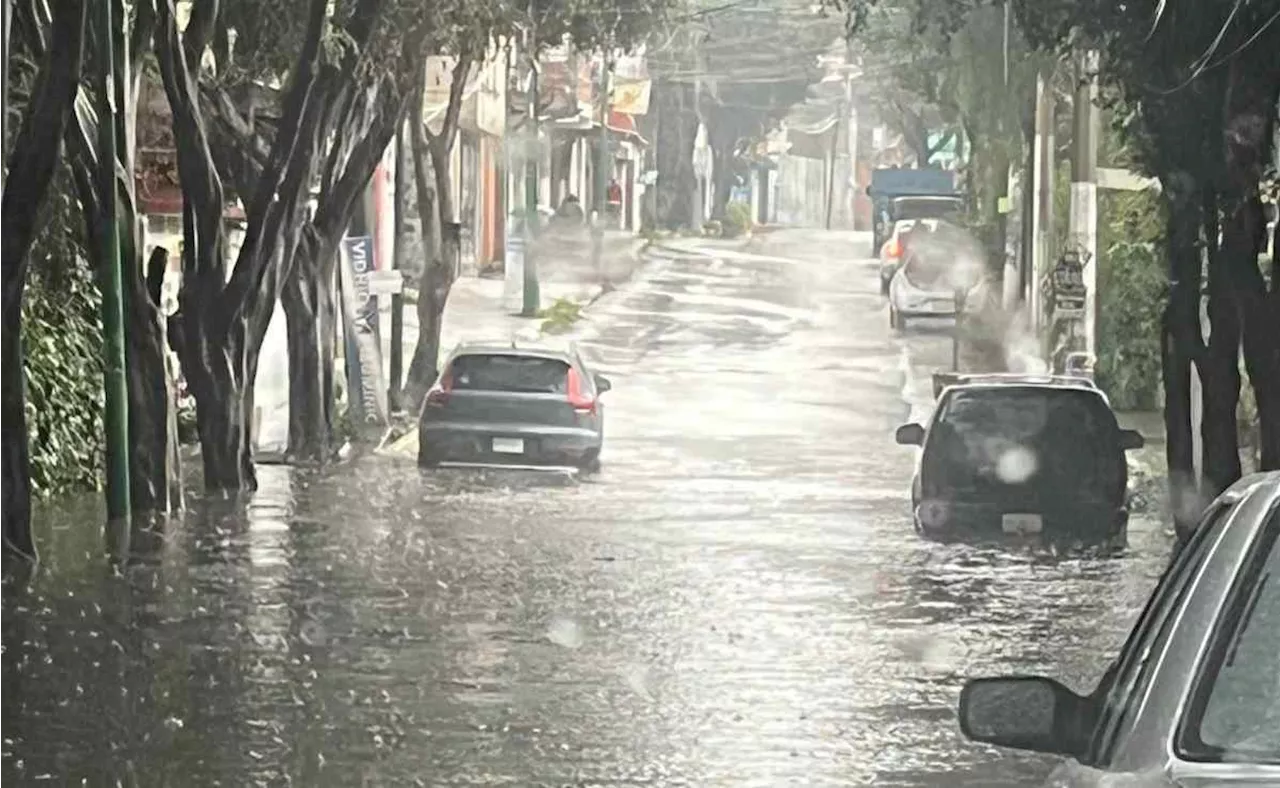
x,y
737,599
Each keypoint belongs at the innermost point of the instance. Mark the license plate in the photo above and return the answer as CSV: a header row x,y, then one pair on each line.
x,y
1022,524
508,446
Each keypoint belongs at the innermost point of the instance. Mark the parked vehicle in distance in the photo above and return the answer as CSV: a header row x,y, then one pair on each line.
x,y
1021,455
519,404
898,193
894,250
1193,698
932,282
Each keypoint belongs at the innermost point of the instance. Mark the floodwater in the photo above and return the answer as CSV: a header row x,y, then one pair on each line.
x,y
738,598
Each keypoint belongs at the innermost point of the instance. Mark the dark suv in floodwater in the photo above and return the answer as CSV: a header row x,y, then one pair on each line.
x,y
1022,456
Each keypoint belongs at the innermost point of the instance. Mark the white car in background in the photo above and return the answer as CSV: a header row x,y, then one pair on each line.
x,y
935,277
894,250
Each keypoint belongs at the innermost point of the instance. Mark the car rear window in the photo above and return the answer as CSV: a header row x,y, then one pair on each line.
x,y
509,372
1002,435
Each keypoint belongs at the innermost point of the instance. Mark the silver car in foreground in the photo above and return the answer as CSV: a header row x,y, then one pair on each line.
x,y
1193,700
514,404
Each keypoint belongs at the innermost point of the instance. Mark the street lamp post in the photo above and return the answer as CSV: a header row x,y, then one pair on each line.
x,y
532,294
116,405
602,177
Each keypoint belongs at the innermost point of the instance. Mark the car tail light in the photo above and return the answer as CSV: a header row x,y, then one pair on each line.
x,y
894,247
578,398
439,393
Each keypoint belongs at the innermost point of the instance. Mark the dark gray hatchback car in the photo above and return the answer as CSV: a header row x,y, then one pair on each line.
x,y
1193,699
515,404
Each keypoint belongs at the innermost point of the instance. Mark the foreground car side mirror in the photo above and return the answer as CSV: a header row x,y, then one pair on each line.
x,y
603,384
909,435
1131,439
1026,713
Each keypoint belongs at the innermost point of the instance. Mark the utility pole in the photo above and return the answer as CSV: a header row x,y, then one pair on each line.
x,y
602,164
1083,222
532,295
842,122
1042,195
397,263
115,386
831,173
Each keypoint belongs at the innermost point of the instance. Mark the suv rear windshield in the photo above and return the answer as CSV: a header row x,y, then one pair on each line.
x,y
509,372
1057,439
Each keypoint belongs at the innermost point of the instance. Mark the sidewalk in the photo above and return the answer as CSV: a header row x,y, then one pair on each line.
x,y
481,308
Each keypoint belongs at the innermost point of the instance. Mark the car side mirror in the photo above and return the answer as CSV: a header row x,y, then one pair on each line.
x,y
603,384
909,435
1131,439
1025,713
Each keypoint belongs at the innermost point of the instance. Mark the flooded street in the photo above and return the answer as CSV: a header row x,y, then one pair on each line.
x,y
737,599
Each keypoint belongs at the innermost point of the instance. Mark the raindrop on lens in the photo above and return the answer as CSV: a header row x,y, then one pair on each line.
x,y
1017,465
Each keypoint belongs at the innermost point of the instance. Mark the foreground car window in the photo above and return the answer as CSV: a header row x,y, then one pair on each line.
x,y
509,373
1133,673
1236,716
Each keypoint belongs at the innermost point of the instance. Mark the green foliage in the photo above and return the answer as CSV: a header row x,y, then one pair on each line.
x,y
62,341
737,219
940,66
1132,285
560,316
751,61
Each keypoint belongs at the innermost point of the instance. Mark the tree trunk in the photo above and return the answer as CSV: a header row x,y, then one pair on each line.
x,y
154,465
1254,86
440,268
724,129
30,170
17,454
309,310
154,476
224,312
1180,344
722,179
1220,378
676,181
221,383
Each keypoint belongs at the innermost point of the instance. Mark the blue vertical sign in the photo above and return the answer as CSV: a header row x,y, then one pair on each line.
x,y
367,393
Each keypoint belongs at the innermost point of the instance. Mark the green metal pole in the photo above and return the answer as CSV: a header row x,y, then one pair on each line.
x,y
116,410
532,294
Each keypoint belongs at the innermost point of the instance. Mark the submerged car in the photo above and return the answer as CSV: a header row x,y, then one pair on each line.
x,y
1021,455
1193,698
514,404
